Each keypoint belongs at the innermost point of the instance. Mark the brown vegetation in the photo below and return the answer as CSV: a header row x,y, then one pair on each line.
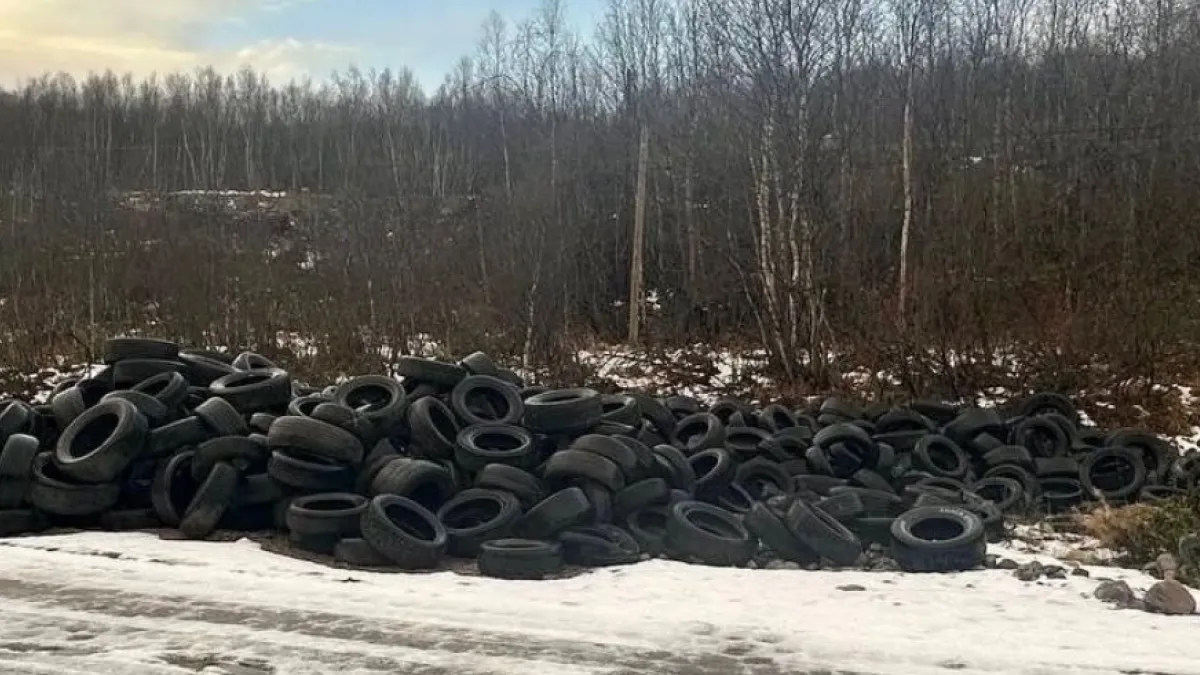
x,y
1028,168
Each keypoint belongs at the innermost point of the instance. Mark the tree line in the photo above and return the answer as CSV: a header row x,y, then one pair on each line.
x,y
903,183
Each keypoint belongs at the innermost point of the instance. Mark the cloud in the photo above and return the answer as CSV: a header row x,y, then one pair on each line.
x,y
145,36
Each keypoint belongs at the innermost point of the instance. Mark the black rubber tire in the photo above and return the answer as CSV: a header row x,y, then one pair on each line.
x,y
845,507
129,372
154,410
310,473
55,493
1058,493
434,428
761,478
1157,454
221,418
938,539
315,437
1006,493
639,495
1042,437
524,559
482,399
708,534
1045,467
599,546
652,412
380,400
16,470
474,516
1028,481
745,443
101,443
673,466
681,406
256,489
563,411
1044,402
251,391
170,389
823,534
1096,485
715,470
970,422
247,361
608,447
404,532
479,363
427,483
567,467
483,444
601,500
942,457
620,408
763,523
1009,454
128,520
213,497
131,347
698,432
554,514
645,465
429,371
874,529
240,451
649,527
319,521
358,553
202,369
170,437
526,487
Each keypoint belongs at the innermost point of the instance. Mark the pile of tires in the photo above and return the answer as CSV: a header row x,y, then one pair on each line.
x,y
465,460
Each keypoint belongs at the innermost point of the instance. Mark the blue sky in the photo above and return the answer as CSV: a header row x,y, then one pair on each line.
x,y
285,38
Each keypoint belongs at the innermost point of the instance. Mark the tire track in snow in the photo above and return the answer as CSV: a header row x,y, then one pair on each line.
x,y
318,642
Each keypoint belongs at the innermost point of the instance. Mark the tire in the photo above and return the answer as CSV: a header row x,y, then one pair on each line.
x,y
1044,402
745,443
55,493
155,412
173,488
1009,454
823,534
315,437
484,444
844,507
214,496
258,390
601,500
247,361
762,478
714,469
165,440
654,413
434,428
128,520
1157,455
102,442
1042,437
311,473
243,453
708,534
20,521
599,546
322,520
818,484
427,483
380,400
673,466
554,514
648,526
1097,469
428,371
938,539
941,457
521,484
1006,493
1045,467
479,363
129,372
404,532
170,389
520,559
563,411
202,369
16,470
358,553
763,523
128,347
474,516
481,400
608,447
698,432
639,495
567,467
221,418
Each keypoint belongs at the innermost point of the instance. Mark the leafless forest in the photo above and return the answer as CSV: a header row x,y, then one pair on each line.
x,y
880,182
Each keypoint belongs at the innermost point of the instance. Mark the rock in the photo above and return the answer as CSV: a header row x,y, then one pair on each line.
x,y
851,587
1170,597
876,548
1080,572
1151,568
990,560
885,565
1116,592
1054,572
1006,564
1167,565
1030,571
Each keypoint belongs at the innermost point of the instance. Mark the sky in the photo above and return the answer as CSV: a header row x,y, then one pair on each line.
x,y
284,38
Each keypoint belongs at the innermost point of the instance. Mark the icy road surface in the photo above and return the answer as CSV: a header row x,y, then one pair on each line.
x,y
101,603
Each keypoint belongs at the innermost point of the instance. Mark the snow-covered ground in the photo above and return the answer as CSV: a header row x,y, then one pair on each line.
x,y
134,604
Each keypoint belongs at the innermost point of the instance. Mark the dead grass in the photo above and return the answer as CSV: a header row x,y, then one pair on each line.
x,y
1143,531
